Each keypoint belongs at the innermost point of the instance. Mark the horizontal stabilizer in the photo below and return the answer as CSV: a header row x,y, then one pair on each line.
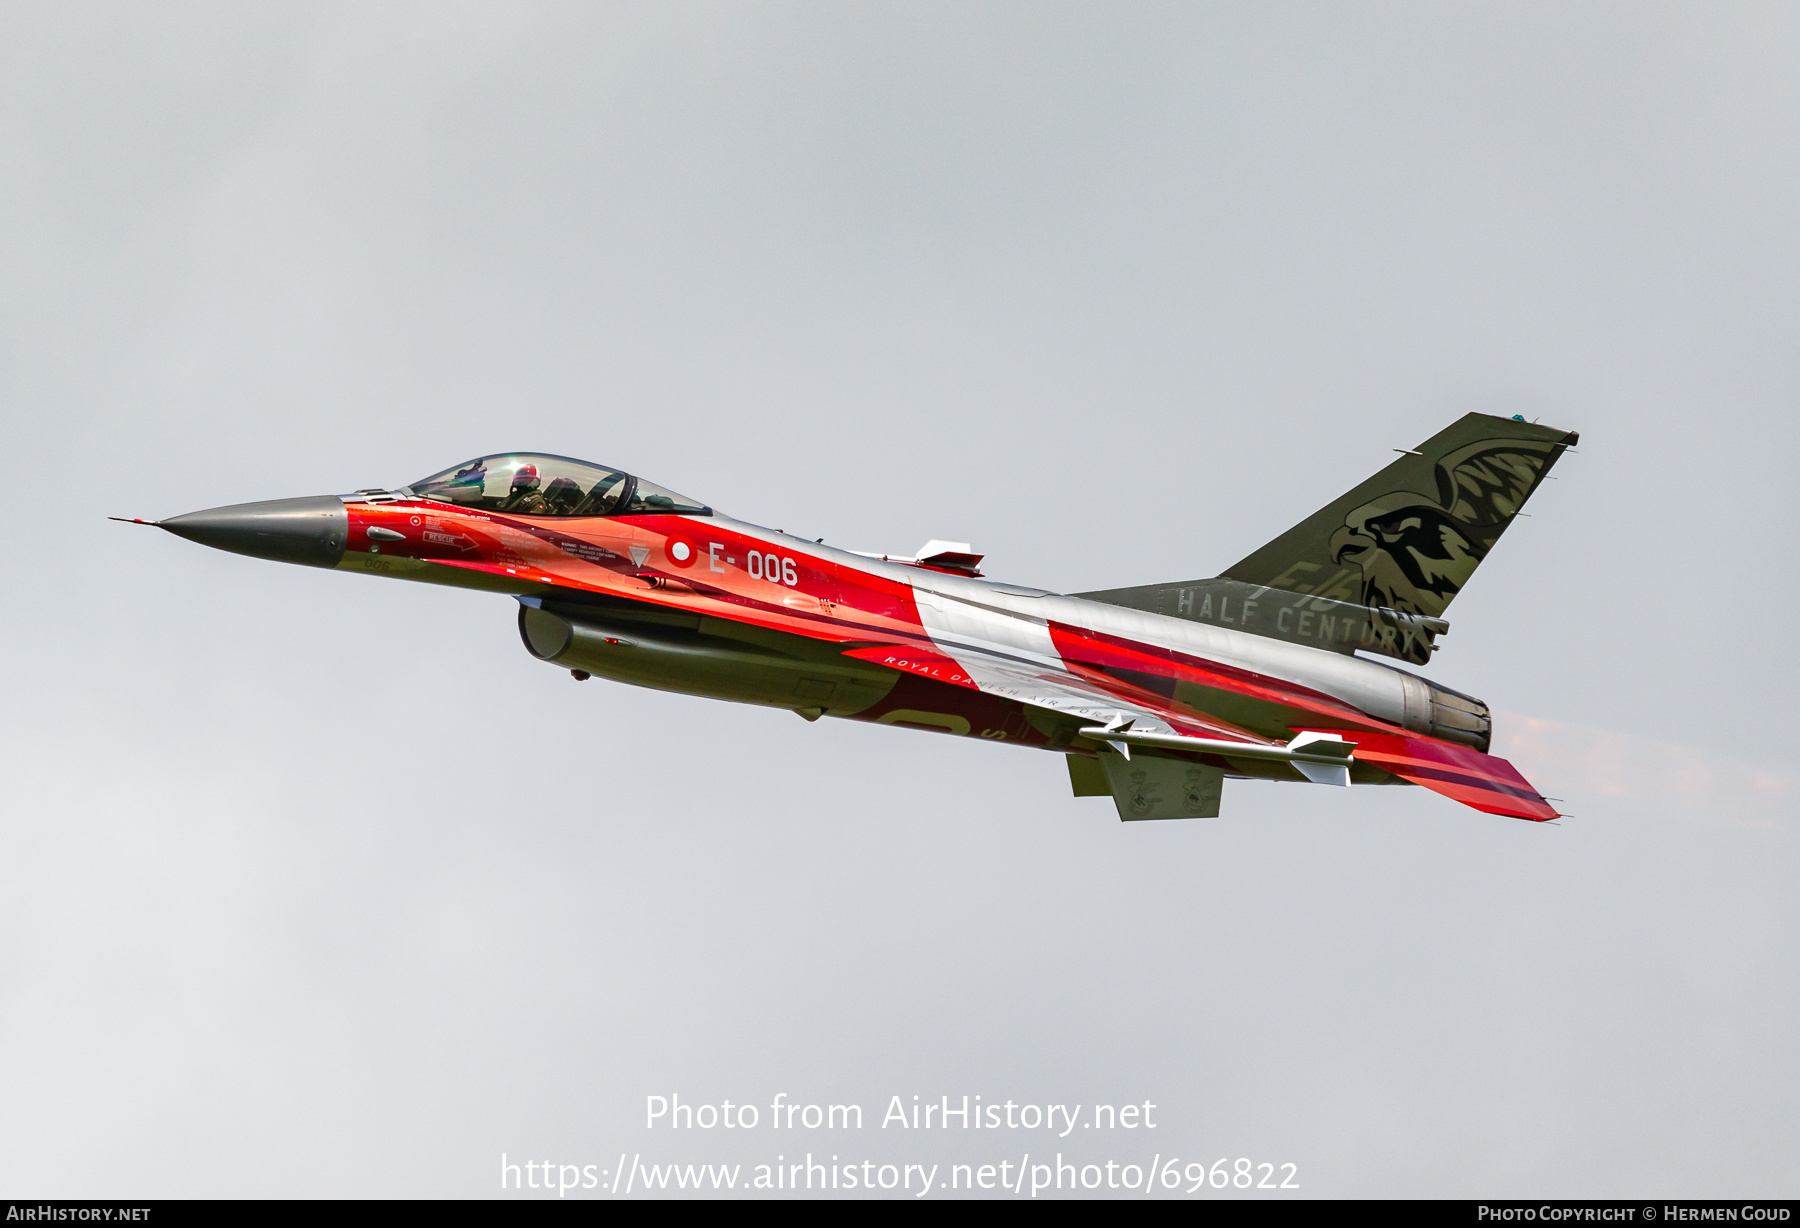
x,y
1461,773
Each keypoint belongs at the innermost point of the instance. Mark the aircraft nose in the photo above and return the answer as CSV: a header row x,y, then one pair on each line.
x,y
306,531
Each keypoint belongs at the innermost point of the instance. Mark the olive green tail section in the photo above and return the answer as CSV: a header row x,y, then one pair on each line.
x,y
1376,569
1409,538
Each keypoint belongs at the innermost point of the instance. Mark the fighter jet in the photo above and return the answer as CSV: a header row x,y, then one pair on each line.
x,y
1152,695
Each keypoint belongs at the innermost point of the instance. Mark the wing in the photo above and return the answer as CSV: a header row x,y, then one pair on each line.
x,y
1102,685
1461,773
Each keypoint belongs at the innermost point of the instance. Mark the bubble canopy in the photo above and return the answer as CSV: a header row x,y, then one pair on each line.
x,y
538,484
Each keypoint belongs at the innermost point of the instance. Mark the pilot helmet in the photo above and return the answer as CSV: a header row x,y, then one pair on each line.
x,y
525,479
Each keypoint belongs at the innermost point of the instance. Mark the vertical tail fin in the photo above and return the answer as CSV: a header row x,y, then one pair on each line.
x,y
1410,537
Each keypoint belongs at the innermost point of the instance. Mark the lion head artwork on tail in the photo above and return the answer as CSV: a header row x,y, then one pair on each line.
x,y
1416,553
1410,537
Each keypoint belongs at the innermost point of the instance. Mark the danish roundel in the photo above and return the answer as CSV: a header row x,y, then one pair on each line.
x,y
680,552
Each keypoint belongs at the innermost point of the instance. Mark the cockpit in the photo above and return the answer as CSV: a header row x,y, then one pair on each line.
x,y
536,484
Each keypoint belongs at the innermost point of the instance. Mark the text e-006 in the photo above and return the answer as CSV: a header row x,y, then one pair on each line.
x,y
773,568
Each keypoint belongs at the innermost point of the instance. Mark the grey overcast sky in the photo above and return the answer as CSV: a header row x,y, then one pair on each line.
x,y
313,884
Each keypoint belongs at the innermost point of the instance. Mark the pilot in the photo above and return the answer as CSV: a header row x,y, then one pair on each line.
x,y
562,496
524,496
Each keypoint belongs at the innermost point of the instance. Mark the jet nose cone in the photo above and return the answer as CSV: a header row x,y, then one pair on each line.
x,y
308,531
